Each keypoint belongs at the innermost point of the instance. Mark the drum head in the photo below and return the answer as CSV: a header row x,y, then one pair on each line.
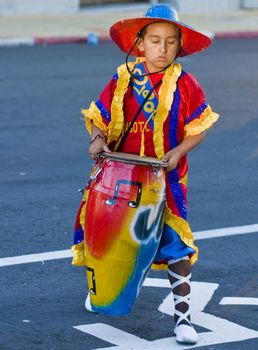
x,y
133,159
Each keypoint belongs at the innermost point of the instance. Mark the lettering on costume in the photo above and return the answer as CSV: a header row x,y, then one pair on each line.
x,y
137,127
142,91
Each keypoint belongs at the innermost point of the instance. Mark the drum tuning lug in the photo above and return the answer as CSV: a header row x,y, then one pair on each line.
x,y
156,172
85,188
98,170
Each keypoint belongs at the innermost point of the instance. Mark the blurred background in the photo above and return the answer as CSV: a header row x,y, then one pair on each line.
x,y
24,21
52,6
55,58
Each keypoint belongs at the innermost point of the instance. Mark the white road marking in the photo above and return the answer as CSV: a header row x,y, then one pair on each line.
x,y
238,301
156,282
31,258
62,254
226,231
111,334
221,330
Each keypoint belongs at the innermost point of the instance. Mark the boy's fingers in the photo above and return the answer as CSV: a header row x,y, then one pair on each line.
x,y
165,159
106,149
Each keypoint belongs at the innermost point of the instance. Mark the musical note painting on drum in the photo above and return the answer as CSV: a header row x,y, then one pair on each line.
x,y
123,225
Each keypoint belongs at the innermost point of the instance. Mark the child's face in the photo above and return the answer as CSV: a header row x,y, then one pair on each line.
x,y
161,43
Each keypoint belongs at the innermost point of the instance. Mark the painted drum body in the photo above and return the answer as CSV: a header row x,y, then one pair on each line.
x,y
123,226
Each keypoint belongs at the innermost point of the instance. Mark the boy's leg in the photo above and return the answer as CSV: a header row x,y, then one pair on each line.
x,y
179,273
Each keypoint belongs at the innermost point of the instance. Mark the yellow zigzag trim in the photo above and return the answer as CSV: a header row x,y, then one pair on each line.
x,y
202,123
92,114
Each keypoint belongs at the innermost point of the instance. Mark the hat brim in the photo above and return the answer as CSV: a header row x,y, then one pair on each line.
x,y
124,33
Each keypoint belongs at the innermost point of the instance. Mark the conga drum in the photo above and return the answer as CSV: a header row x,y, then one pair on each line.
x,y
123,226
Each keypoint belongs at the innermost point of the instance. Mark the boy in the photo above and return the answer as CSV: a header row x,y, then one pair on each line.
x,y
172,122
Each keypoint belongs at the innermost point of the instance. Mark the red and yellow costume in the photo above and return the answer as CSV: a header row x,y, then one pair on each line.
x,y
176,109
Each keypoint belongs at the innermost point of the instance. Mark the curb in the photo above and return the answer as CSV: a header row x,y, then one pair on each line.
x,y
91,39
30,41
94,39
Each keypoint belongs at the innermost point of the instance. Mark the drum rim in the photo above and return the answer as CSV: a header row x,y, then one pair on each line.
x,y
139,160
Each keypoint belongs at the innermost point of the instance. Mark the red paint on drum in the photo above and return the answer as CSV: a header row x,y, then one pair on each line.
x,y
104,222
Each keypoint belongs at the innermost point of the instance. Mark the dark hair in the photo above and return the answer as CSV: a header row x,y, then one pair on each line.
x,y
143,31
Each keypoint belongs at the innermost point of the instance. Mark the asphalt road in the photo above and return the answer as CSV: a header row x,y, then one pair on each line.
x,y
44,160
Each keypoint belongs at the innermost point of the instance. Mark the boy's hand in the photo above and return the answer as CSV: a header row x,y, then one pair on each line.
x,y
185,146
97,146
172,158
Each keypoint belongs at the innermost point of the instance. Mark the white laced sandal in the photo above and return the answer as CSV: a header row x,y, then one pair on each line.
x,y
185,332
88,306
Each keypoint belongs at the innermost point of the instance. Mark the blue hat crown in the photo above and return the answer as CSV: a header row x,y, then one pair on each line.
x,y
162,11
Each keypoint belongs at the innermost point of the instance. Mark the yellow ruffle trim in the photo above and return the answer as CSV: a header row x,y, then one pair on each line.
x,y
115,127
159,267
83,211
184,180
78,254
204,122
92,114
116,124
166,93
182,228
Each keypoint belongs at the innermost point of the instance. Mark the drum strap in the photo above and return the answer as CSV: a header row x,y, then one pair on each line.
x,y
122,141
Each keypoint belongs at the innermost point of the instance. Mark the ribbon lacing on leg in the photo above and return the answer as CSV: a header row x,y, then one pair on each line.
x,y
179,298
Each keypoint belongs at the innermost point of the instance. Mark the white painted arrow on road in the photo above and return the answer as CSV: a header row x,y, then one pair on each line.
x,y
221,330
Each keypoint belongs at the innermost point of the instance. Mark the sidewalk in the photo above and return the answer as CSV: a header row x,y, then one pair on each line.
x,y
76,27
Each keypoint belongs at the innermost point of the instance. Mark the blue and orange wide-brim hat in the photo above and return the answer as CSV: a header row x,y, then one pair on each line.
x,y
124,32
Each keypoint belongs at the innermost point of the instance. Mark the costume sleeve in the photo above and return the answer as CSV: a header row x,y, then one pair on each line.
x,y
99,111
198,115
